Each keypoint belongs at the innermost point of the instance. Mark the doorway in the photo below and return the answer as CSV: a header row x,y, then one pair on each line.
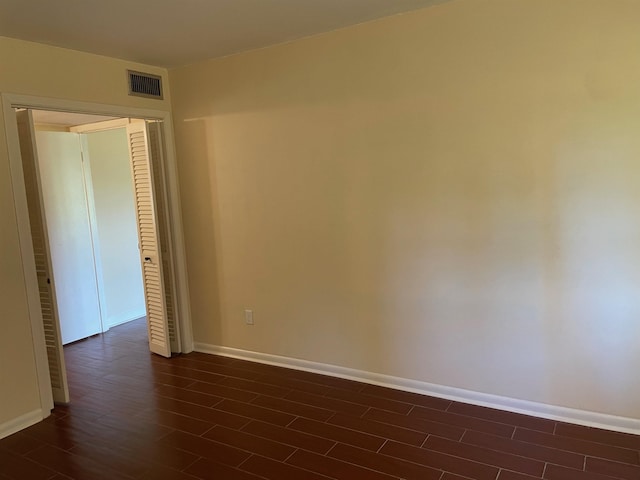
x,y
159,124
88,202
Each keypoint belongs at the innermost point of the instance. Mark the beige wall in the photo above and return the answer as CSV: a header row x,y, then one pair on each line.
x,y
451,195
33,69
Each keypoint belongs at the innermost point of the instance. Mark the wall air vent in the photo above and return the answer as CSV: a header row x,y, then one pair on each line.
x,y
144,84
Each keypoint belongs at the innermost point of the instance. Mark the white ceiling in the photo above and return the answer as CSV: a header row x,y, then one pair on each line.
x,y
177,32
63,119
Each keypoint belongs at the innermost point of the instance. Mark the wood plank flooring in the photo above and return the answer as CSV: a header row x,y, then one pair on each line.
x,y
138,416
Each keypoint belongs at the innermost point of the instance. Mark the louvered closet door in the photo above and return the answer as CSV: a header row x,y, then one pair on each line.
x,y
156,154
149,243
46,284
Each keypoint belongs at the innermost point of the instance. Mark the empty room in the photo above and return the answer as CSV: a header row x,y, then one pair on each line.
x,y
371,239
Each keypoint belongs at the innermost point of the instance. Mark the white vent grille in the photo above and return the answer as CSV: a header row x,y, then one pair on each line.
x,y
144,84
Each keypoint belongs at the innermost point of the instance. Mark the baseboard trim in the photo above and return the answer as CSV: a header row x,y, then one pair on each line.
x,y
542,410
22,422
128,317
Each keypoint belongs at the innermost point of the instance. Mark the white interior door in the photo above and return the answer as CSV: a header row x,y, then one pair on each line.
x,y
69,229
44,271
149,242
157,156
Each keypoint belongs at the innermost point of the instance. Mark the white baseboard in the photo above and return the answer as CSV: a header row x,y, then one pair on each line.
x,y
114,321
23,421
542,410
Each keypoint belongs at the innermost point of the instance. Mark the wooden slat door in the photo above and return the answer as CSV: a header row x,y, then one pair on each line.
x,y
148,238
44,270
156,154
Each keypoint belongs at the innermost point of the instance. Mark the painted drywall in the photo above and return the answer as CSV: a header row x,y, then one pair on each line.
x,y
33,69
117,234
450,196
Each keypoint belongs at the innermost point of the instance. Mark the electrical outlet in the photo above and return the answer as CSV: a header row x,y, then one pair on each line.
x,y
248,317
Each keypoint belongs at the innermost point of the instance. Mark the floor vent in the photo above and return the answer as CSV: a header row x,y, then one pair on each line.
x,y
144,84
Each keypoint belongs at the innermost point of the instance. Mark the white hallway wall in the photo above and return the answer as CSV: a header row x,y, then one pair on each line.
x,y
116,222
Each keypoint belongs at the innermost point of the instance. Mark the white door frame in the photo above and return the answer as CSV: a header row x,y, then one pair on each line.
x,y
11,101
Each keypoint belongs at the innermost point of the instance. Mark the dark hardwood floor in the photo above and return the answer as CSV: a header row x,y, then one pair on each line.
x,y
138,416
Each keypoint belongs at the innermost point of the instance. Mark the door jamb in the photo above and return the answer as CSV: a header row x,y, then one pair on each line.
x,y
11,101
